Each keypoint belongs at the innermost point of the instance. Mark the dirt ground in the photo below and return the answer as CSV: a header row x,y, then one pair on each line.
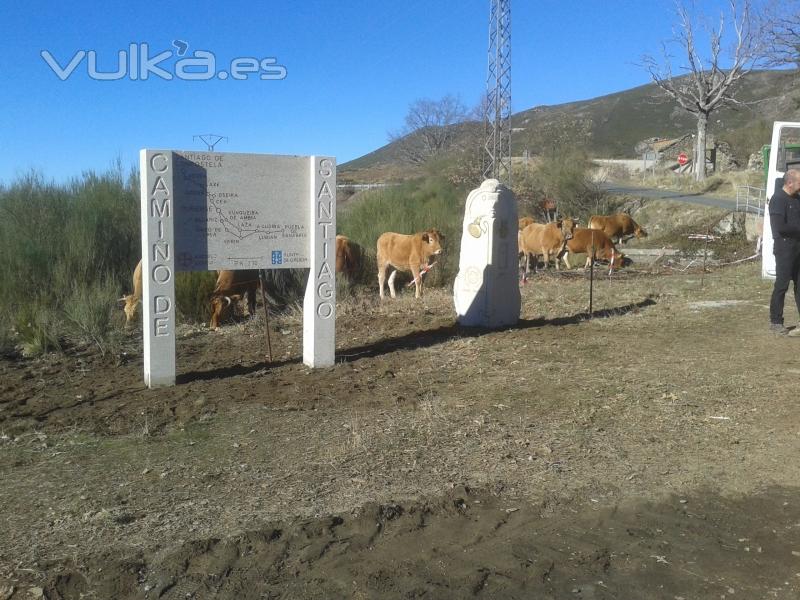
x,y
647,452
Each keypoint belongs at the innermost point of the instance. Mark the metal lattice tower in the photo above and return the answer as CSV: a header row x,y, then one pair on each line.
x,y
497,112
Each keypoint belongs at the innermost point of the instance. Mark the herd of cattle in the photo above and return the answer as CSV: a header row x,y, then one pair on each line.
x,y
562,238
415,253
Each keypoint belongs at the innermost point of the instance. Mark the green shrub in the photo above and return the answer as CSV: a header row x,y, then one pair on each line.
x,y
39,329
192,294
562,177
68,249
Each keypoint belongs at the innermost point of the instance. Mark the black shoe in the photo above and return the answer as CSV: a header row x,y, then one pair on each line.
x,y
778,328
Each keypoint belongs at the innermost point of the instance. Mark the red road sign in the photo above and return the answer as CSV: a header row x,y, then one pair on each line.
x,y
682,158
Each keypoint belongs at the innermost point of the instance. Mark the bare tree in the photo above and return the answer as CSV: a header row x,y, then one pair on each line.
x,y
708,83
782,33
431,127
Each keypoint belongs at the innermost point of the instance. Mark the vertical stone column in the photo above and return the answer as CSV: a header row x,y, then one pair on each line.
x,y
486,289
319,307
158,266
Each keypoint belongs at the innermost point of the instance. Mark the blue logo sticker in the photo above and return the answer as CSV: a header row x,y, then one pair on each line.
x,y
277,257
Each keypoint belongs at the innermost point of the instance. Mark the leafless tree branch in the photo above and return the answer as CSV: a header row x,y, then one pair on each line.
x,y
430,128
708,83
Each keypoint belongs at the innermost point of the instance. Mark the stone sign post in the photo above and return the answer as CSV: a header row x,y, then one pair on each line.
x,y
486,290
205,211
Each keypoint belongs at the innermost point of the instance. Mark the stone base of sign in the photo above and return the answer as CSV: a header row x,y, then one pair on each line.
x,y
486,289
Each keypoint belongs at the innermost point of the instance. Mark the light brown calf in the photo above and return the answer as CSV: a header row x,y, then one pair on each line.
x,y
407,253
545,239
617,227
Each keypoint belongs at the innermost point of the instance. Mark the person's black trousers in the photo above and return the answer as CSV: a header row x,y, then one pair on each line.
x,y
787,269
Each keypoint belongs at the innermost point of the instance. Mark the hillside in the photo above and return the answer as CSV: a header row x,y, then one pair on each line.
x,y
610,126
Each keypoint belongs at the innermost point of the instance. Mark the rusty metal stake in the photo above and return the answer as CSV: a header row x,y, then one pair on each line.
x,y
591,277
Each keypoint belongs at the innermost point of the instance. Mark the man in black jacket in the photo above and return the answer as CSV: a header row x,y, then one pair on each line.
x,y
784,218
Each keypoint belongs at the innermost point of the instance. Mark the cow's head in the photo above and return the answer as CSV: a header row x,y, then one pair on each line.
x,y
131,302
618,260
639,232
567,227
434,241
219,303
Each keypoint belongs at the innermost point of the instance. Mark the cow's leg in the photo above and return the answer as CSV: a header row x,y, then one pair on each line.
x,y
217,304
566,260
391,284
381,279
417,283
251,300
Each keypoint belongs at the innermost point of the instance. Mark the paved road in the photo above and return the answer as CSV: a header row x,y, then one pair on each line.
x,y
613,188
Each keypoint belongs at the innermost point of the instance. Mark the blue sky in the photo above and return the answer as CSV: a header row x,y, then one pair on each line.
x,y
352,69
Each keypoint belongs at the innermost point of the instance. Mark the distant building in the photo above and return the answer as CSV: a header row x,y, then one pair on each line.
x,y
718,155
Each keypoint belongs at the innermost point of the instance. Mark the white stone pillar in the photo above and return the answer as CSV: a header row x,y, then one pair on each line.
x,y
486,289
319,306
158,266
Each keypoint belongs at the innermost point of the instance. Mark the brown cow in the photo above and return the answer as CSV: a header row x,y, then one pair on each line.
x,y
231,287
544,239
132,300
617,226
348,256
407,253
582,242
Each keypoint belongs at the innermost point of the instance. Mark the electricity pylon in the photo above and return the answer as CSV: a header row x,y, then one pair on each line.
x,y
497,111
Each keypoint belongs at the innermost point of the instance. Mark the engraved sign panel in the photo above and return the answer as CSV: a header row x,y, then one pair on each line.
x,y
213,211
240,211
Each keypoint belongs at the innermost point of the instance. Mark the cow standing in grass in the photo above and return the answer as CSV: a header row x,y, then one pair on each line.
x,y
545,239
619,227
593,243
410,253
